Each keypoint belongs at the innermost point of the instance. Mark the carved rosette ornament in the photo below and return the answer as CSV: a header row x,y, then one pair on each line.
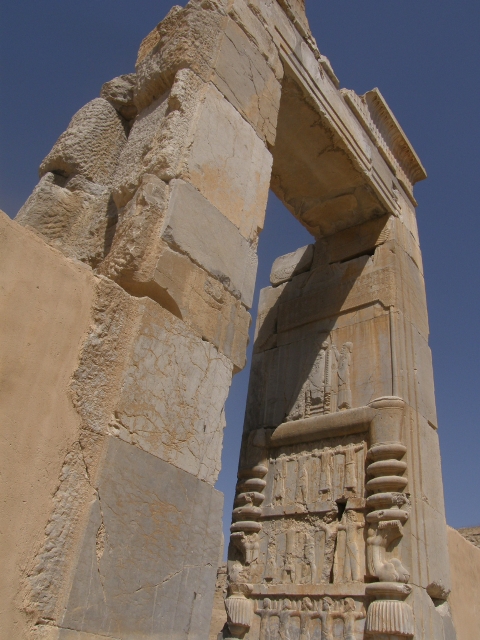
x,y
388,615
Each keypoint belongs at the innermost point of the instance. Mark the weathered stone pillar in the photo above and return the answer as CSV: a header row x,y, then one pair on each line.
x,y
338,522
160,186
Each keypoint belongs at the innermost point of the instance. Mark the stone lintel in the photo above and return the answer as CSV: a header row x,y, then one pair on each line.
x,y
324,426
351,589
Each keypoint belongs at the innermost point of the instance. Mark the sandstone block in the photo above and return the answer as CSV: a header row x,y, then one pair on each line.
x,y
186,38
147,378
153,38
246,80
225,254
142,137
119,93
148,559
173,394
230,165
205,305
465,568
291,264
74,215
45,302
135,246
241,11
267,316
192,132
143,264
90,146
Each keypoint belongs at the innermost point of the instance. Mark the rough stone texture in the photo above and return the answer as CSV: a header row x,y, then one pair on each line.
x,y
192,132
291,264
142,263
119,93
464,601
173,395
230,165
205,305
186,38
472,534
246,80
219,616
141,140
73,215
90,146
145,377
148,558
135,247
225,254
45,312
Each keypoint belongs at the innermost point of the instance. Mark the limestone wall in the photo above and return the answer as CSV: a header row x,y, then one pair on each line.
x,y
45,305
465,571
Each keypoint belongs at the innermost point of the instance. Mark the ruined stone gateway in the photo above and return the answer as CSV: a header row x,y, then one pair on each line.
x,y
127,278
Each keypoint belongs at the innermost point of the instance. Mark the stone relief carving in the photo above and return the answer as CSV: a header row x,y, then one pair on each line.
x,y
316,618
305,536
238,606
319,475
327,387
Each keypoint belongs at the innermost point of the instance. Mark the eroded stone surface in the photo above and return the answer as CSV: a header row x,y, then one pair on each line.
x,y
472,534
90,146
119,92
45,304
225,254
74,215
148,559
291,264
173,395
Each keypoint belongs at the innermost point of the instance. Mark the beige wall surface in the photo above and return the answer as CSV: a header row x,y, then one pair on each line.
x,y
465,596
45,306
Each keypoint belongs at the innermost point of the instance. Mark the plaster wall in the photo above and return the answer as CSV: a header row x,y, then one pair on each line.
x,y
465,572
45,302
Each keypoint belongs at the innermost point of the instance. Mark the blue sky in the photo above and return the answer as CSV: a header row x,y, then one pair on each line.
x,y
423,55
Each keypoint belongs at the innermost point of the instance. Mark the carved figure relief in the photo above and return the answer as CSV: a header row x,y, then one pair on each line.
x,y
271,563
320,475
327,387
351,480
280,475
284,617
344,358
350,616
349,567
326,472
265,613
289,568
329,526
301,493
317,618
310,559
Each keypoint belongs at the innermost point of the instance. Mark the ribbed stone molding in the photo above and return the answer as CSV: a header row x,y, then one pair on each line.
x,y
388,616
